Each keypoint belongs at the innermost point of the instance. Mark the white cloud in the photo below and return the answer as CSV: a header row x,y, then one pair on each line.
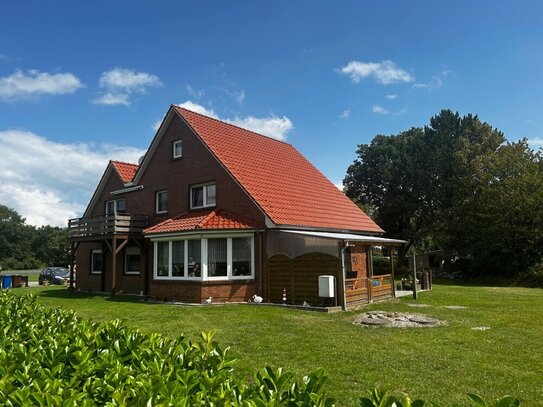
x,y
4,57
391,97
33,83
120,83
379,109
195,107
111,99
49,182
271,126
385,72
339,185
345,114
434,83
128,80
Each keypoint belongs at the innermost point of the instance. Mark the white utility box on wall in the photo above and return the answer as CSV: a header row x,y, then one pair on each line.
x,y
327,286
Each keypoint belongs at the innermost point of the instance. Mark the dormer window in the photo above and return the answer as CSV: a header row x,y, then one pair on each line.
x,y
178,149
202,196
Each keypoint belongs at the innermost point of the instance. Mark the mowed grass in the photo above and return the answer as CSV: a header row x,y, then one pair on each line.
x,y
441,364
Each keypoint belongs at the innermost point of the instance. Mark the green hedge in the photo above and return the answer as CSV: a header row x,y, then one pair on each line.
x,y
51,357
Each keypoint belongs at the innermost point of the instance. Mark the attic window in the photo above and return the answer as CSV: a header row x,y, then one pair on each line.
x,y
178,149
202,196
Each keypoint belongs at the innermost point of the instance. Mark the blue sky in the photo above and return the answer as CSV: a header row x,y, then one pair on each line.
x,y
84,82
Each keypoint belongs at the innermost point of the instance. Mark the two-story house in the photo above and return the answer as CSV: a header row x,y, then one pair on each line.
x,y
214,210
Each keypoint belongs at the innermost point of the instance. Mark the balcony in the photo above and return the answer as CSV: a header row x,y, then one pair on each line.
x,y
106,226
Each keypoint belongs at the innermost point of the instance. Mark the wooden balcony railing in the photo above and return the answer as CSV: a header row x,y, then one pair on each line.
x,y
106,225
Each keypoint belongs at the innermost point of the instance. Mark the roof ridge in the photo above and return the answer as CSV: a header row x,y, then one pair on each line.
x,y
123,162
209,216
232,125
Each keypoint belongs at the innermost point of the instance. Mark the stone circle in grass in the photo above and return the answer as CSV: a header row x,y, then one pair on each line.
x,y
396,320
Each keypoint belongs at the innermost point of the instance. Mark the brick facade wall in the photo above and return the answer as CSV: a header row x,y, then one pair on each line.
x,y
196,166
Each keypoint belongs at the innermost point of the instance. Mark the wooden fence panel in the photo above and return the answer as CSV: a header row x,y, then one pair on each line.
x,y
280,277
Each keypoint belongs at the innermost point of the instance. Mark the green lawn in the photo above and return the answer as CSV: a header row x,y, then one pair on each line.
x,y
440,364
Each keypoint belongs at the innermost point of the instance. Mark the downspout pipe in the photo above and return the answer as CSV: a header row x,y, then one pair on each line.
x,y
344,270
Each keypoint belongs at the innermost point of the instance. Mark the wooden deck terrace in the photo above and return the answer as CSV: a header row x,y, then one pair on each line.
x,y
105,226
360,291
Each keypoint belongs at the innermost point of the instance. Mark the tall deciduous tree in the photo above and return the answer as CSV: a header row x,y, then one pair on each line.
x,y
24,246
417,177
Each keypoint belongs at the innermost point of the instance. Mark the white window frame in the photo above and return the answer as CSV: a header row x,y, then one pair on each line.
x,y
93,252
174,146
115,206
163,191
204,260
131,251
205,204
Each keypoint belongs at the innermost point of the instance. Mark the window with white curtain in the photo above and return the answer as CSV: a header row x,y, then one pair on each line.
x,y
207,258
217,258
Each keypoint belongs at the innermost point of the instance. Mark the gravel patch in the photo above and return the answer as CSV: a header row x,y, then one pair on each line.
x,y
396,320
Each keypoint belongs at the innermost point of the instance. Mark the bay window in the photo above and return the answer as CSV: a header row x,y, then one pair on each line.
x,y
208,258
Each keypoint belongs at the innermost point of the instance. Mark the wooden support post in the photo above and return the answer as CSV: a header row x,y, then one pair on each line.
x,y
341,298
392,272
145,271
369,256
105,246
415,294
72,264
114,265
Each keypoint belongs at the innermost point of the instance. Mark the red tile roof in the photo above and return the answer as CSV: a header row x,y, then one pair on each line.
x,y
200,220
126,171
288,188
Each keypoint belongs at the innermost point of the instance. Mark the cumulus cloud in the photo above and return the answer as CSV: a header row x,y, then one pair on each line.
x,y
196,107
120,83
345,114
49,182
112,99
385,72
271,126
379,109
391,97
33,83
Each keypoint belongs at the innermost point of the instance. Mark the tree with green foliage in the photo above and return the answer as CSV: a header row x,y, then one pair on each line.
x,y
455,185
24,246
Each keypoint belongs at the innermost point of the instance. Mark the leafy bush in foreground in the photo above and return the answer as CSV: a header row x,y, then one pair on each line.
x,y
52,358
380,398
